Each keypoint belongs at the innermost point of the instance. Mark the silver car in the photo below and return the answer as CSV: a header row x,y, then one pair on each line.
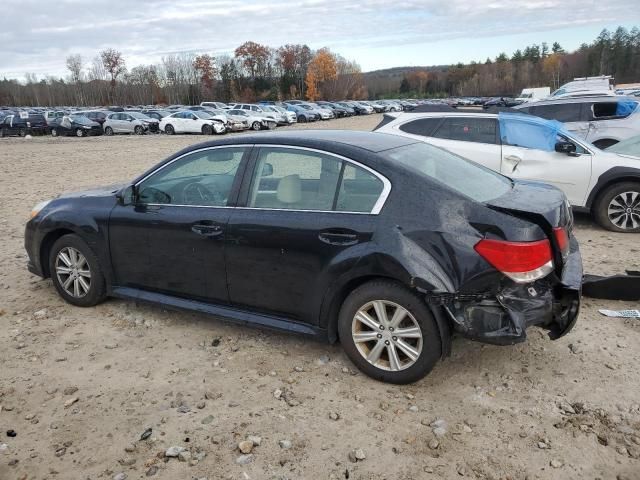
x,y
129,122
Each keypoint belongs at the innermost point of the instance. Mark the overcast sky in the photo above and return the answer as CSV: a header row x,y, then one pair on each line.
x,y
36,36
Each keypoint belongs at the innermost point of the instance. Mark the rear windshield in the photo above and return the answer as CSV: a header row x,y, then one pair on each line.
x,y
465,177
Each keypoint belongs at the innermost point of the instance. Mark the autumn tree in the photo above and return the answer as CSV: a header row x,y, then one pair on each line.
x,y
293,61
253,57
114,65
322,68
206,67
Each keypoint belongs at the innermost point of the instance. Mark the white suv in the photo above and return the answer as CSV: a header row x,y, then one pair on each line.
x,y
530,148
602,120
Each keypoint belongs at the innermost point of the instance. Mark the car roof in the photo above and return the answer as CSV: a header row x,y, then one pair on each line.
x,y
370,141
583,99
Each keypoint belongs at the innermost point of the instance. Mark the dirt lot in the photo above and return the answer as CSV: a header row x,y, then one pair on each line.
x,y
79,387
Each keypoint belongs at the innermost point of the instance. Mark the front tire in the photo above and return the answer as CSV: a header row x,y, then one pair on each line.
x,y
75,271
22,132
207,130
138,130
389,332
108,131
79,132
54,132
617,208
256,126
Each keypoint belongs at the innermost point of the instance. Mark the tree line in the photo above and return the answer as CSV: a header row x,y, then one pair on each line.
x,y
611,53
254,72
258,72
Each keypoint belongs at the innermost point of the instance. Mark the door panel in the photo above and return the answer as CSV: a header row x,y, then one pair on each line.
x,y
157,247
172,239
299,230
482,153
284,261
571,174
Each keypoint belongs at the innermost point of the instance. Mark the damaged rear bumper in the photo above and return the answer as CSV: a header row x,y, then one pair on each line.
x,y
503,317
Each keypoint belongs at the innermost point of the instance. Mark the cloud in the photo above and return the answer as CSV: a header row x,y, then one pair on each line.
x,y
37,36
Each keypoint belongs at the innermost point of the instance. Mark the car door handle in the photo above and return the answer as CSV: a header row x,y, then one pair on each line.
x,y
206,230
338,237
514,160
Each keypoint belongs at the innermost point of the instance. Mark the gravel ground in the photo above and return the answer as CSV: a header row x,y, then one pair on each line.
x,y
80,386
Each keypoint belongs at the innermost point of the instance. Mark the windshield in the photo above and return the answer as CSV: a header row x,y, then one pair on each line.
x,y
81,119
139,116
203,114
630,146
465,177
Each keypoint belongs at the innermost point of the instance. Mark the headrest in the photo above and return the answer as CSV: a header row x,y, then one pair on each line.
x,y
289,189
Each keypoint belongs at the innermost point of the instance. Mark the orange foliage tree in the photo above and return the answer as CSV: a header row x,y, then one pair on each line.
x,y
322,68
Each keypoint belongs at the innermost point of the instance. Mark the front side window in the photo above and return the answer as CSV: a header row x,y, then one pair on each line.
x,y
296,179
203,178
467,129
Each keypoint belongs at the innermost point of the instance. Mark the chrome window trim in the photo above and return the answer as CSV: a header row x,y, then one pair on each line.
x,y
377,207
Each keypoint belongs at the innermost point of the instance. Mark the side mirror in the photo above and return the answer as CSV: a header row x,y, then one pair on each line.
x,y
566,147
267,170
126,196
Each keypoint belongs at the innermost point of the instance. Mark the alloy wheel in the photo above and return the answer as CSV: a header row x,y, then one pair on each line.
x,y
624,210
79,133
73,272
387,335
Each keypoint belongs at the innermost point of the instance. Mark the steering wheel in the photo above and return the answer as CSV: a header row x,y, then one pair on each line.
x,y
195,193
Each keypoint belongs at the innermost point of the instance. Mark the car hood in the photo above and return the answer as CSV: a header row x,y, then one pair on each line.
x,y
534,199
100,191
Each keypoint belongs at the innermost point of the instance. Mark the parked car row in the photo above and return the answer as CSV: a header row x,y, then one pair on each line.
x,y
207,118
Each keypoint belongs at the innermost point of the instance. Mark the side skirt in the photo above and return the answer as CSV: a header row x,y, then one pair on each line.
x,y
233,314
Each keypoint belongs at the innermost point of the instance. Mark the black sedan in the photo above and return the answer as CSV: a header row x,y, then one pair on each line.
x,y
75,125
385,243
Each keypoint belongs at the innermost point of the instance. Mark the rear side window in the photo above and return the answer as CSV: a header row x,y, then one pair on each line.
x,y
562,112
422,126
466,129
359,190
463,176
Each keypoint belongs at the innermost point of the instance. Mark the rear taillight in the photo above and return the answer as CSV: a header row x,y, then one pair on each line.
x,y
522,262
562,240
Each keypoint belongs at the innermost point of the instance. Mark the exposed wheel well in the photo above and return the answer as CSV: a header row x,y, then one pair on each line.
x,y
45,248
338,299
594,197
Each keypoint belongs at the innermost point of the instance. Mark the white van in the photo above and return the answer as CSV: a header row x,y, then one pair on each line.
x,y
533,94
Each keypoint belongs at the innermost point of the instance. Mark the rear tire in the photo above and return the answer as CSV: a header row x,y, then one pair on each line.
x,y
617,208
54,132
169,130
84,284
402,358
108,131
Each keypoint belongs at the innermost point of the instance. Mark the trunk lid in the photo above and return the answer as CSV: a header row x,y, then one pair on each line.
x,y
538,202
